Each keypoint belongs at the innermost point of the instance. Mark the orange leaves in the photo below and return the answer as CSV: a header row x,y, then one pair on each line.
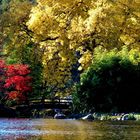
x,y
15,95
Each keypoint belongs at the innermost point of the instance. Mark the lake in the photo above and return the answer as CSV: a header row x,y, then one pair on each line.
x,y
51,129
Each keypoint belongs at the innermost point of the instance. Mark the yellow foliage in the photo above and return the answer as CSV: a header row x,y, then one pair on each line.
x,y
12,23
60,28
63,27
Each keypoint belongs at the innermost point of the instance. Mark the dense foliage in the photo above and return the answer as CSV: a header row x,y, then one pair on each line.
x,y
15,82
57,39
48,35
111,84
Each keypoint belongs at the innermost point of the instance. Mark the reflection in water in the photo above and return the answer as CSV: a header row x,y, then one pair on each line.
x,y
47,129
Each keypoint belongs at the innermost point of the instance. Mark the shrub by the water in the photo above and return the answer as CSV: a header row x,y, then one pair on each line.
x,y
111,84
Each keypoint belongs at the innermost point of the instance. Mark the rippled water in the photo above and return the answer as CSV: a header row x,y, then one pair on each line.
x,y
47,129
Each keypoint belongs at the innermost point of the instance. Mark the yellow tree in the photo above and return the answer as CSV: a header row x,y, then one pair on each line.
x,y
59,34
64,32
14,32
62,28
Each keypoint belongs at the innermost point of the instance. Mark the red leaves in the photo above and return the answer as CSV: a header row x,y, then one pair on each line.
x,y
17,81
17,69
15,95
12,95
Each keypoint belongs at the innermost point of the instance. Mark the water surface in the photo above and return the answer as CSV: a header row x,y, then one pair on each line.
x,y
50,129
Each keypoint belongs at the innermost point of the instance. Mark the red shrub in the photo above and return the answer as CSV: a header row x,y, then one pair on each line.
x,y
15,81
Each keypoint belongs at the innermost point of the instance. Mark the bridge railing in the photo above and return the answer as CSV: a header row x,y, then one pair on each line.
x,y
47,100
60,103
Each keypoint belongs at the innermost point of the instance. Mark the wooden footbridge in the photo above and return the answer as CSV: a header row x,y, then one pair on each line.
x,y
59,103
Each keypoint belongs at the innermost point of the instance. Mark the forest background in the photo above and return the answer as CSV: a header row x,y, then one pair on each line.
x,y
87,48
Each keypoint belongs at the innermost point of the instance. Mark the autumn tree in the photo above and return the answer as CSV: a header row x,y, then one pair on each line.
x,y
52,33
63,28
13,29
17,82
52,26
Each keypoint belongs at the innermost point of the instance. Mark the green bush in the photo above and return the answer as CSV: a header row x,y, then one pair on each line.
x,y
111,83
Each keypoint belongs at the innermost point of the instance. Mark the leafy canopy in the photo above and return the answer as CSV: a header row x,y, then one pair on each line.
x,y
53,36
